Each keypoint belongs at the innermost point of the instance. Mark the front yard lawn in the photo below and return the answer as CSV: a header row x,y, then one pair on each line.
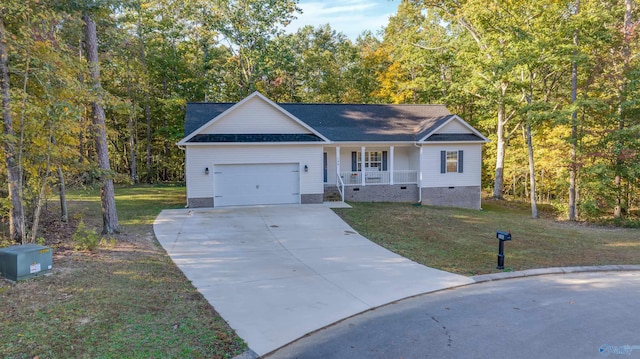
x,y
126,299
464,241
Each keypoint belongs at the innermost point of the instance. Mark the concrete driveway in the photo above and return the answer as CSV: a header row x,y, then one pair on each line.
x,y
276,273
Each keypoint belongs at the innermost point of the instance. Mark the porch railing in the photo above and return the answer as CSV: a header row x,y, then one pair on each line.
x,y
354,178
340,185
405,177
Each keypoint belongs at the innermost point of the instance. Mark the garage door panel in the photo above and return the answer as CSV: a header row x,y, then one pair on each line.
x,y
252,184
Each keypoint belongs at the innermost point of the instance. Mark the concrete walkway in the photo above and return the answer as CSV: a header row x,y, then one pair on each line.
x,y
276,273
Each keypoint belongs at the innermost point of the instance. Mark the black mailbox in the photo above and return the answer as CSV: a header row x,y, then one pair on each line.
x,y
503,236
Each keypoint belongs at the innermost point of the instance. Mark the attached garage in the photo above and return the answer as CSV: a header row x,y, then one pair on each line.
x,y
255,184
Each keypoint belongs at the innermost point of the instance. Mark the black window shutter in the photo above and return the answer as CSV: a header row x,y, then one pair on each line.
x,y
384,160
460,160
354,161
443,161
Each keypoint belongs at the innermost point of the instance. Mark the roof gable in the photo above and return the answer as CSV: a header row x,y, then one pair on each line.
x,y
254,115
451,129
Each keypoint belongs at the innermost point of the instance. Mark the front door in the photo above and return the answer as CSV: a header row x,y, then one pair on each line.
x,y
324,164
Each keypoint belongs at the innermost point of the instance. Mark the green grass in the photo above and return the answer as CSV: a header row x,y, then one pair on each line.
x,y
128,300
464,241
137,205
125,300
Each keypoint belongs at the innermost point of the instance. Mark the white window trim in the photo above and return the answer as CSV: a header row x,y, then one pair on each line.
x,y
452,159
369,163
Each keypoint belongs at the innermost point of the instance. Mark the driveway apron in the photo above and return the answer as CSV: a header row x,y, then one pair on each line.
x,y
276,273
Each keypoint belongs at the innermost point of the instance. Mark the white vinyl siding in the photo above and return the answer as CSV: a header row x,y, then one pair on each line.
x,y
255,116
454,126
200,185
431,166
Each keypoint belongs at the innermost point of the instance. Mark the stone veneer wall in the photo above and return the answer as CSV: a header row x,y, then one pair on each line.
x,y
463,197
205,202
311,198
382,193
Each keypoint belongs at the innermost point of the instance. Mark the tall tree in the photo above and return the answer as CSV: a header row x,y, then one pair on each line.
x,y
627,35
107,192
16,223
573,161
248,26
492,60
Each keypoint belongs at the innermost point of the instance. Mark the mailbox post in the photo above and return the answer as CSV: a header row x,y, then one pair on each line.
x,y
502,237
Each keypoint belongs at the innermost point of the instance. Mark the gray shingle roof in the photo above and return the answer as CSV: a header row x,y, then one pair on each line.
x,y
346,122
200,113
340,122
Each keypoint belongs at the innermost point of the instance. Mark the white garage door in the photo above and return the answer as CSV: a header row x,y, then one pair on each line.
x,y
251,184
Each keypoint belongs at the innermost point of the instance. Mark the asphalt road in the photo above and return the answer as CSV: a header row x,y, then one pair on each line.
x,y
583,315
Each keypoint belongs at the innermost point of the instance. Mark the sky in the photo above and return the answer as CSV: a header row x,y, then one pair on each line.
x,y
350,17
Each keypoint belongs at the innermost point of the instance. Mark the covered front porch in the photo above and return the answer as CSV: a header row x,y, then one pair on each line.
x,y
373,172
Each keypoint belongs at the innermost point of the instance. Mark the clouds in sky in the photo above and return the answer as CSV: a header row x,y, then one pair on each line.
x,y
350,17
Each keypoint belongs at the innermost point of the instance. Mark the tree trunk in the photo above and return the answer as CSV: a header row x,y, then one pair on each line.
x,y
573,165
532,173
131,126
500,153
147,115
147,106
16,217
626,52
40,200
107,191
64,211
132,150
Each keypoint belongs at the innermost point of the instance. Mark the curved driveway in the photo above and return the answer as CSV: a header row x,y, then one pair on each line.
x,y
276,273
578,315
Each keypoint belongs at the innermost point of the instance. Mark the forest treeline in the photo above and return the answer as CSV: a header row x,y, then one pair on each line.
x,y
553,83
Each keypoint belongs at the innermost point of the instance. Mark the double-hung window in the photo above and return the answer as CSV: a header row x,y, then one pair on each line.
x,y
451,161
372,161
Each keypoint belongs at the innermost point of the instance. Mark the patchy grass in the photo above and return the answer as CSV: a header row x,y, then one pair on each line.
x,y
464,241
125,300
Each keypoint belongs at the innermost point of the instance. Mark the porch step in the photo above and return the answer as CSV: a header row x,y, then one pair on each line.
x,y
331,194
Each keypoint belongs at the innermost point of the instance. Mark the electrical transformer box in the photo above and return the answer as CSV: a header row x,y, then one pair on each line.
x,y
25,261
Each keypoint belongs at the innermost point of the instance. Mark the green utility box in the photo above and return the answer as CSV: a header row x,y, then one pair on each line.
x,y
25,261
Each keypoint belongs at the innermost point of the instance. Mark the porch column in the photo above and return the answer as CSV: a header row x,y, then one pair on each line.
x,y
391,165
362,165
337,164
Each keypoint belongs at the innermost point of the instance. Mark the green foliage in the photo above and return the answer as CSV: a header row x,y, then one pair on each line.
x,y
477,57
85,238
